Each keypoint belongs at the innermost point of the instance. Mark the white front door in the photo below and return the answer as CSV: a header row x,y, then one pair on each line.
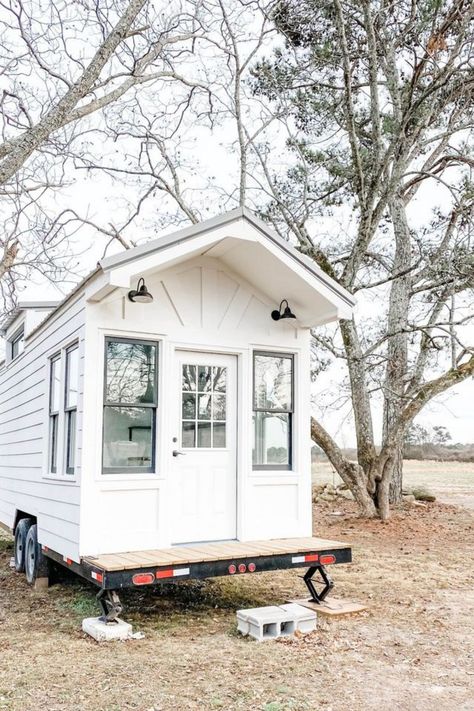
x,y
204,453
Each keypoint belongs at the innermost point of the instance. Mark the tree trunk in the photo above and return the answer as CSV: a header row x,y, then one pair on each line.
x,y
396,479
351,473
397,348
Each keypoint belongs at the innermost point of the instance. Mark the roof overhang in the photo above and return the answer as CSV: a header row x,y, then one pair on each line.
x,y
23,306
248,248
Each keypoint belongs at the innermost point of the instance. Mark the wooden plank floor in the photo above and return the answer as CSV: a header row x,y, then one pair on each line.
x,y
202,552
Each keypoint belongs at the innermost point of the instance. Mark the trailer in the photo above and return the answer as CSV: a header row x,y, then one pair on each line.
x,y
154,423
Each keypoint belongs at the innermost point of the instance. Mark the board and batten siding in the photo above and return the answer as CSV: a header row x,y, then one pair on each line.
x,y
25,484
199,305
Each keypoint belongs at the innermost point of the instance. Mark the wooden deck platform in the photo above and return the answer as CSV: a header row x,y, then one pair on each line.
x,y
205,552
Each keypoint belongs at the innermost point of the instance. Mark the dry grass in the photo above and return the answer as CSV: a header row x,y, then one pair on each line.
x,y
413,650
448,480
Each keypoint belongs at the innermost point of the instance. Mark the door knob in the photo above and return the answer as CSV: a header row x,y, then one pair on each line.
x,y
176,453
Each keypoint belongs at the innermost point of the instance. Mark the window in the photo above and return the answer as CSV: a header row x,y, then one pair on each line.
x,y
17,343
63,395
203,406
54,403
70,406
272,411
130,401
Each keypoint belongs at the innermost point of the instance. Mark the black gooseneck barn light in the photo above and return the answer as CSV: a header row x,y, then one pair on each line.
x,y
287,313
141,294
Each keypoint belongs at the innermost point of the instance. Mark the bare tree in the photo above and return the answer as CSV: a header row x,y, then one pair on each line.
x,y
61,64
379,113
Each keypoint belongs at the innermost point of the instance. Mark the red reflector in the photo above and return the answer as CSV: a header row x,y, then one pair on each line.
x,y
232,569
311,557
143,578
252,567
242,568
164,573
327,559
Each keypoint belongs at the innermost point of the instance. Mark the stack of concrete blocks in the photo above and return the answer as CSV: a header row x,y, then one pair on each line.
x,y
265,623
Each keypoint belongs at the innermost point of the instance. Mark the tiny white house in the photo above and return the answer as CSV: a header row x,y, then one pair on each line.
x,y
166,401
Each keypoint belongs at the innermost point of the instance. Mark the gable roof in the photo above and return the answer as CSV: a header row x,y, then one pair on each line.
x,y
118,270
186,235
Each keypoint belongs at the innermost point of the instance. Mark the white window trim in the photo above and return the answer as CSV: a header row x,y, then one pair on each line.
x,y
60,474
19,331
131,475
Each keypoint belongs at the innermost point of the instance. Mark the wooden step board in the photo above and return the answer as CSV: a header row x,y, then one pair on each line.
x,y
202,552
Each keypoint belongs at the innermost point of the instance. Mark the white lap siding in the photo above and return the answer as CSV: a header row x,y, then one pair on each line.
x,y
25,484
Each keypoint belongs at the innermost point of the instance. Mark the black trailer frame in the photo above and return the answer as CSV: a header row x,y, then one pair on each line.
x,y
110,581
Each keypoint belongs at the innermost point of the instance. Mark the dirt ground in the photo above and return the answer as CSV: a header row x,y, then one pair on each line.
x,y
412,651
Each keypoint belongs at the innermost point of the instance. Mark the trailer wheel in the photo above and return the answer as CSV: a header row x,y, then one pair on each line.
x,y
36,565
21,532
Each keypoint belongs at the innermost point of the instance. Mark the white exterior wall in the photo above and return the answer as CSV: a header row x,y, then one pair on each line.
x,y
25,483
202,306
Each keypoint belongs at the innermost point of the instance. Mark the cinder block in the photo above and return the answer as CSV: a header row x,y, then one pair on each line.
x,y
103,632
265,623
305,619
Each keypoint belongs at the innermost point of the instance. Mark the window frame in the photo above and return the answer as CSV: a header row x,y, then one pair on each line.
x,y
196,419
18,336
135,471
291,412
69,409
53,416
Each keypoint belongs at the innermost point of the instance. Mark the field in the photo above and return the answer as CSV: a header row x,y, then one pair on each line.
x,y
452,482
412,651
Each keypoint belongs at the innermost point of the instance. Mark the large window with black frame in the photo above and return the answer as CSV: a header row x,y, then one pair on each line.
x,y
70,406
273,408
130,402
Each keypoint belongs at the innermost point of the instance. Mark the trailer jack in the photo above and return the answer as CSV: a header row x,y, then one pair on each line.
x,y
110,604
316,596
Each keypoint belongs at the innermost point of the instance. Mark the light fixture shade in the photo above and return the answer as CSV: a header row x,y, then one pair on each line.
x,y
277,315
140,295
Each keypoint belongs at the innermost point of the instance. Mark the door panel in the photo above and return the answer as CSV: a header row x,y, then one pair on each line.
x,y
204,466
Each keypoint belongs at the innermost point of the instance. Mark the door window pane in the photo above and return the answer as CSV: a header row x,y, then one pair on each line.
x,y
128,435
219,378
130,372
271,443
204,434
188,436
273,382
189,377
218,407
198,422
218,434
204,378
204,412
189,406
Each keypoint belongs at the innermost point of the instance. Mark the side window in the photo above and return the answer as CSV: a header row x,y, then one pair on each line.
x,y
272,411
130,402
54,405
17,344
70,406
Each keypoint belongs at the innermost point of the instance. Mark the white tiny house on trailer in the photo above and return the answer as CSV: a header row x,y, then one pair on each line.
x,y
166,400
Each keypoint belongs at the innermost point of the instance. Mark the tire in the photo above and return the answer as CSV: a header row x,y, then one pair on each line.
x,y
21,532
36,565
